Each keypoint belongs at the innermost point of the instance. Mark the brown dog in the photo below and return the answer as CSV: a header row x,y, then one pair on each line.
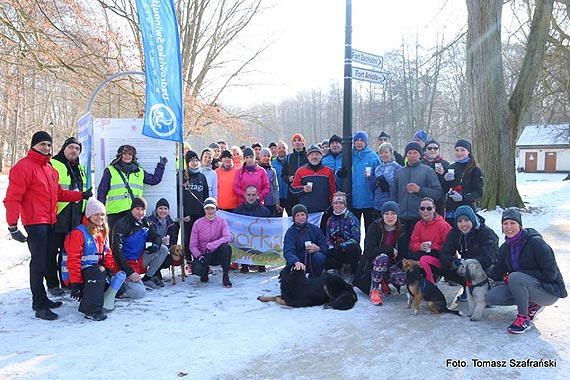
x,y
177,255
419,288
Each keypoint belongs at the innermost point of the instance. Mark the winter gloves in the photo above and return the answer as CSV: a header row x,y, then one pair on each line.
x,y
17,235
162,160
87,194
76,290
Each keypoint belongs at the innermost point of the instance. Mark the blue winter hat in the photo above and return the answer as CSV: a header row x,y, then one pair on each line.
x,y
412,145
390,206
361,135
422,135
468,212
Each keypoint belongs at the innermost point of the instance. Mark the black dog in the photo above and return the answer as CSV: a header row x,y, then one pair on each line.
x,y
298,291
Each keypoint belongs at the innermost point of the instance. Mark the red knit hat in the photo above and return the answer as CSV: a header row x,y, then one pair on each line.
x,y
298,136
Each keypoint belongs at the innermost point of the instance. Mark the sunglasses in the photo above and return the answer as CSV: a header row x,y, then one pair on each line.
x,y
429,208
432,148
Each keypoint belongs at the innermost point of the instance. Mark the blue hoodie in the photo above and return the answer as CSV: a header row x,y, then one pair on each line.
x,y
362,194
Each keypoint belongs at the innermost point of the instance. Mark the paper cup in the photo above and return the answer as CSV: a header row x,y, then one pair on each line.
x,y
368,170
428,243
452,171
308,244
310,184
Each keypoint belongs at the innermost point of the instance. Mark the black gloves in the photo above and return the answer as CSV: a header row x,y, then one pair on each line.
x,y
17,235
455,264
342,172
201,259
162,160
152,249
382,184
87,194
76,290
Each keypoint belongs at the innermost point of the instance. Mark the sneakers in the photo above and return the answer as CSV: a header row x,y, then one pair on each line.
x,y
244,268
157,281
226,281
204,277
385,288
533,310
56,292
261,269
46,314
97,316
375,297
520,325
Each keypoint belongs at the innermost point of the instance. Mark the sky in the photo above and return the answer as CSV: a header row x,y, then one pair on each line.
x,y
309,38
204,331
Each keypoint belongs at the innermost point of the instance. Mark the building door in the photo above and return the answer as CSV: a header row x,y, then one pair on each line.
x,y
530,162
550,162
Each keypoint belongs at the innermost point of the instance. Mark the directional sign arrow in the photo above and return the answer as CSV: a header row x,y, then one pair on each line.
x,y
367,59
369,75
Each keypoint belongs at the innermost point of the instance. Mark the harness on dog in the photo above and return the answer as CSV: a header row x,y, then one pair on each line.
x,y
470,285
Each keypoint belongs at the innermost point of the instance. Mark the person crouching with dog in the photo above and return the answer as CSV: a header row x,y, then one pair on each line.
x,y
166,228
88,257
304,245
470,238
209,243
378,266
527,267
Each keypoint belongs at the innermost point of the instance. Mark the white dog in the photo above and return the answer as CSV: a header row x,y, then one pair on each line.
x,y
472,270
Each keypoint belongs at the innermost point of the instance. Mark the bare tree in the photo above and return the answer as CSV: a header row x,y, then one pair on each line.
x,y
497,117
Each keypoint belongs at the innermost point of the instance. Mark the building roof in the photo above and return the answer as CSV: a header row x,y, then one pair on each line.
x,y
545,135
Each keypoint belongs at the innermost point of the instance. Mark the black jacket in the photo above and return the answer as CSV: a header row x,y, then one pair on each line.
x,y
372,248
536,259
194,191
470,184
481,243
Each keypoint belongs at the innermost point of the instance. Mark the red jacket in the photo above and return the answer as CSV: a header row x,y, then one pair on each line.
x,y
435,231
34,190
74,243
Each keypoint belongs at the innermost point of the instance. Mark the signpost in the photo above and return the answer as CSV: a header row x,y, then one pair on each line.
x,y
369,75
367,59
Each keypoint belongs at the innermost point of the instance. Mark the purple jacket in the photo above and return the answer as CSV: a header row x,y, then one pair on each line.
x,y
208,234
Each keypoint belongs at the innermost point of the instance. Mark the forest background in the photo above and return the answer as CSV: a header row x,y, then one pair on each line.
x,y
54,53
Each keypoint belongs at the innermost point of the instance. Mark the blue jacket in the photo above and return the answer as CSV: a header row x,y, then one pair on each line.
x,y
362,194
387,170
295,238
335,163
278,166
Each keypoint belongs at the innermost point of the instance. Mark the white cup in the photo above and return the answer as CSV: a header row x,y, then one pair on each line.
x,y
308,244
310,184
438,165
428,244
166,240
368,170
452,171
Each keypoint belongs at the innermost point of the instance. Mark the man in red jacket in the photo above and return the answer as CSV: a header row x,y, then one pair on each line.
x,y
32,195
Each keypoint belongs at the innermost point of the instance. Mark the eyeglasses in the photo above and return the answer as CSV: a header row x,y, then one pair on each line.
x,y
432,148
429,208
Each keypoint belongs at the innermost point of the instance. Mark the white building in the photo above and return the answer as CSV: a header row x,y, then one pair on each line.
x,y
544,148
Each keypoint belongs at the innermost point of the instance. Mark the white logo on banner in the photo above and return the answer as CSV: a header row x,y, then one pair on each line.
x,y
163,120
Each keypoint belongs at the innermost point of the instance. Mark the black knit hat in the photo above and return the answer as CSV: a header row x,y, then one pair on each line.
x,y
335,138
256,145
162,202
512,214
412,145
40,136
463,143
432,141
72,140
248,152
297,209
226,154
384,134
191,155
272,144
138,202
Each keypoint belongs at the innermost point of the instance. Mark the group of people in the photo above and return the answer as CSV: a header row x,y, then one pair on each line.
x,y
416,206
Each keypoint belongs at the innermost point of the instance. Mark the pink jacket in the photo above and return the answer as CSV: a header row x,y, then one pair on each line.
x,y
257,178
208,234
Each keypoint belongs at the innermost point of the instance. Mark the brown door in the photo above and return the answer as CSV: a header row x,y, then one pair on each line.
x,y
530,162
550,162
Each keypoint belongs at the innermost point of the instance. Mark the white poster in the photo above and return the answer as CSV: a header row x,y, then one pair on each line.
x,y
110,134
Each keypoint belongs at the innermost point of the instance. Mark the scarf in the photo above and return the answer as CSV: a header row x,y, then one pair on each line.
x,y
464,161
265,166
126,168
250,169
515,244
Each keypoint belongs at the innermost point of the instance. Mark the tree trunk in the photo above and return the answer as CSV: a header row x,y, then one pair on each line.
x,y
496,119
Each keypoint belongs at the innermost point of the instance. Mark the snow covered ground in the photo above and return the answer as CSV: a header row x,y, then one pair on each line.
x,y
203,331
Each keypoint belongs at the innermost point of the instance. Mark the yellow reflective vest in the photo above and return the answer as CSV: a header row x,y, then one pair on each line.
x,y
65,181
118,197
